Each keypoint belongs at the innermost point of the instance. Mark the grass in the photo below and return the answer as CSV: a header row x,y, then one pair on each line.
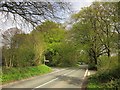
x,y
107,77
14,74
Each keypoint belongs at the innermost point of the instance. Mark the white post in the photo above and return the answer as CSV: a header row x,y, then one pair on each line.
x,y
44,59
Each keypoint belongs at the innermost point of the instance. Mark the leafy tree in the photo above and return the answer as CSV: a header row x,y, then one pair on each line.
x,y
95,29
67,55
53,35
9,47
20,54
39,47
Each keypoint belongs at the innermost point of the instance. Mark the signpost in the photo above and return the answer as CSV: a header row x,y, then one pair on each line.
x,y
45,60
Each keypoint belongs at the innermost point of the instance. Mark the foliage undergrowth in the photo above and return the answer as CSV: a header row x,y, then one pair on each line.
x,y
107,77
18,73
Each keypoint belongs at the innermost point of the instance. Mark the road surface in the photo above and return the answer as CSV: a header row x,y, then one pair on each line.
x,y
59,78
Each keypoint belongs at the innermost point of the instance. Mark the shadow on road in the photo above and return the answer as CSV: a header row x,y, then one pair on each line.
x,y
71,80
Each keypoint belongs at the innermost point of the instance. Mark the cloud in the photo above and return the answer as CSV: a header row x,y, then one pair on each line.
x,y
78,5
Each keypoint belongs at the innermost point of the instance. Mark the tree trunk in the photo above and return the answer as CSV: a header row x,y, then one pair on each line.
x,y
95,59
108,52
6,64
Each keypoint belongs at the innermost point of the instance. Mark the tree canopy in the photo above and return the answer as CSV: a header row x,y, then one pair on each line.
x,y
96,28
34,12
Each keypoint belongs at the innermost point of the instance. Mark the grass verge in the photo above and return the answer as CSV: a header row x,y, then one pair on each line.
x,y
107,76
14,74
107,79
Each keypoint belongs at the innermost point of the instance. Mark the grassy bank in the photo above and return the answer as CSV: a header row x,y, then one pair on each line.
x,y
107,77
13,74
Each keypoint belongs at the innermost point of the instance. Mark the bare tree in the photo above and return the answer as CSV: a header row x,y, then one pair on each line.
x,y
8,35
35,12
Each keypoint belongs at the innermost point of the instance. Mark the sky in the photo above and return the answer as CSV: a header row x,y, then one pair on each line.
x,y
4,25
8,23
77,5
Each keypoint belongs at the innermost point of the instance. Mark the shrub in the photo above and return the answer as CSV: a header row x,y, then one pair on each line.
x,y
92,67
115,84
109,78
107,63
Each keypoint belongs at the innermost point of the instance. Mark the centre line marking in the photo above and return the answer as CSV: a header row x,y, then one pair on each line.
x,y
51,80
56,71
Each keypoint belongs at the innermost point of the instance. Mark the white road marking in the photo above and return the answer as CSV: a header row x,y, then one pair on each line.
x,y
88,73
51,80
29,78
56,71
68,72
84,77
45,83
85,74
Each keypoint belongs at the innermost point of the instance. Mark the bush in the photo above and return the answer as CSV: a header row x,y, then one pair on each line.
x,y
92,67
67,55
115,84
107,63
109,78
108,74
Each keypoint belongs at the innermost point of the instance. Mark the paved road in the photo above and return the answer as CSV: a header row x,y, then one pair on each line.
x,y
59,78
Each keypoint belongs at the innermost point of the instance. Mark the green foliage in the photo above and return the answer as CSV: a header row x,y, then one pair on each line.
x,y
29,49
107,76
94,30
46,26
39,47
105,62
53,36
92,66
114,84
66,55
106,79
18,73
20,53
83,57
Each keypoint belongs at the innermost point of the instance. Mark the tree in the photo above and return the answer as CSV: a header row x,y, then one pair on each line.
x,y
8,35
53,35
67,55
34,12
39,47
21,52
95,28
9,46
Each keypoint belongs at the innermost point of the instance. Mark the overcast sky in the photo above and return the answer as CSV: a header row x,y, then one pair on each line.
x,y
4,25
77,5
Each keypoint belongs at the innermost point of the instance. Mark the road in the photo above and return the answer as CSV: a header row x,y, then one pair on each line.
x,y
59,78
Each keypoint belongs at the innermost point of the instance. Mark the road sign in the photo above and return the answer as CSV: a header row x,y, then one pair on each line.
x,y
46,60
